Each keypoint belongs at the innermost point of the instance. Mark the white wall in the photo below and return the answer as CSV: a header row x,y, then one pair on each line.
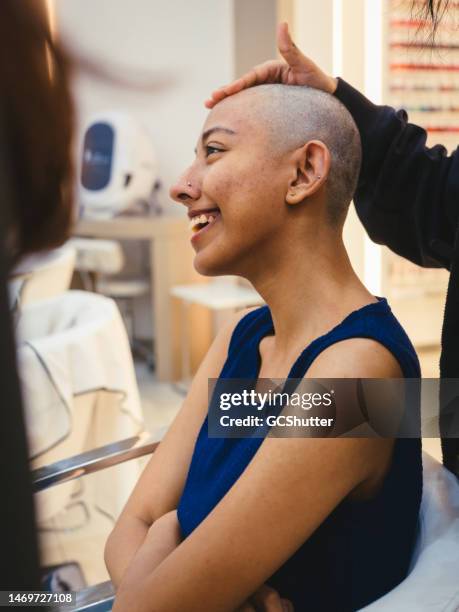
x,y
337,46
313,29
187,43
191,46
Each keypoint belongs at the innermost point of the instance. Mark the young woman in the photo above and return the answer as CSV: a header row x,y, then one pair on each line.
x,y
329,523
406,196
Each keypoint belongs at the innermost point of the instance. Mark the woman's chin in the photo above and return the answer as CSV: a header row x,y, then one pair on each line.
x,y
207,265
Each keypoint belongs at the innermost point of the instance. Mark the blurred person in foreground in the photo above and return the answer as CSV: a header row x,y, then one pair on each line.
x,y
36,117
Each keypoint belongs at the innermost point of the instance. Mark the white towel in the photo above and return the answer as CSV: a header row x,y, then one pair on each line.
x,y
69,345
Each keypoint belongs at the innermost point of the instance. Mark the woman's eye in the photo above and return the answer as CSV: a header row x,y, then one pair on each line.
x,y
210,150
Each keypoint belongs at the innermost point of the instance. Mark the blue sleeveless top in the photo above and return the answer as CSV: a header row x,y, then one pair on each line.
x,y
363,548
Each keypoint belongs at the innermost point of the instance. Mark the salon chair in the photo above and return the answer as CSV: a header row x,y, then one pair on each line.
x,y
433,581
98,598
79,390
41,276
99,262
431,585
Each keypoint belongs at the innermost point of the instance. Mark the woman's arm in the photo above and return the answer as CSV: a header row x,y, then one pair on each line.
x,y
259,524
407,196
160,486
124,541
162,538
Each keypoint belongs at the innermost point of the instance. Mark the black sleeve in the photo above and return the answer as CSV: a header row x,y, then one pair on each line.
x,y
408,194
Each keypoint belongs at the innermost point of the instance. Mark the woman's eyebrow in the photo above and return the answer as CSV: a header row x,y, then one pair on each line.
x,y
217,128
212,130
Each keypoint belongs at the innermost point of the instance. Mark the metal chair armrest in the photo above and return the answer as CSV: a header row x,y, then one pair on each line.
x,y
100,597
97,598
94,460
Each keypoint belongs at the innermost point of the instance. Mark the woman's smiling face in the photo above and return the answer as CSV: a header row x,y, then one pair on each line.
x,y
236,171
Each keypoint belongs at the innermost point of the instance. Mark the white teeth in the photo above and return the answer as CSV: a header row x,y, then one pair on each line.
x,y
204,218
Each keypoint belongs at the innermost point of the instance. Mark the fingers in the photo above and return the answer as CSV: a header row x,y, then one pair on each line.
x,y
288,606
299,70
245,81
226,90
246,607
268,72
267,599
287,47
284,40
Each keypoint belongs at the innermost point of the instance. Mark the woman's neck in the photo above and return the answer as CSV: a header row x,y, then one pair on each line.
x,y
306,299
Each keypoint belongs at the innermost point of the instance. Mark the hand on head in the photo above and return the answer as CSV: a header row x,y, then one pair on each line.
x,y
297,69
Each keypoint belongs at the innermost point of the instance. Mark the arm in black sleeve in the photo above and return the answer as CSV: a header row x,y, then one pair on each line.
x,y
408,194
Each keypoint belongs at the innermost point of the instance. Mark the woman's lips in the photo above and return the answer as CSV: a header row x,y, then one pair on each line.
x,y
207,227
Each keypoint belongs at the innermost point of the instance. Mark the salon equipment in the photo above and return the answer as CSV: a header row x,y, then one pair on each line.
x,y
97,261
118,168
170,261
79,388
98,598
41,276
96,256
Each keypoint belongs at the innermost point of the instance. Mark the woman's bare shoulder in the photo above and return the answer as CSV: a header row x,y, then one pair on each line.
x,y
356,358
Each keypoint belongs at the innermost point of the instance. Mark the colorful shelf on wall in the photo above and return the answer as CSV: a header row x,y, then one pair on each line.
x,y
422,78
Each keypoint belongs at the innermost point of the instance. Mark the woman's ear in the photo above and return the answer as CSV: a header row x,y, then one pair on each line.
x,y
312,162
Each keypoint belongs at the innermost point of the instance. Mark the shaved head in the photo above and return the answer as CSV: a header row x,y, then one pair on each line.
x,y
294,115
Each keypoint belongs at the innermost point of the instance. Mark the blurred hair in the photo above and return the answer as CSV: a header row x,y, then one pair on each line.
x,y
36,122
430,10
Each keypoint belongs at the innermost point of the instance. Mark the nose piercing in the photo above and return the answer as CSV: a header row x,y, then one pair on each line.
x,y
188,183
318,176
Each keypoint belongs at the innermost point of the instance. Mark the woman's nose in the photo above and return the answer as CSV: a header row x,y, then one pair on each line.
x,y
185,189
